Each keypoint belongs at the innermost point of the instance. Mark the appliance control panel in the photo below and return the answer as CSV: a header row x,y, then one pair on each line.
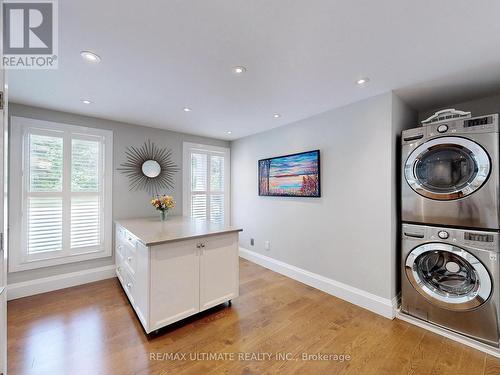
x,y
471,238
478,237
482,124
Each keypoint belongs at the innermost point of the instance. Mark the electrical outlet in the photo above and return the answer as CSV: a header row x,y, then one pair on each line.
x,y
267,245
252,242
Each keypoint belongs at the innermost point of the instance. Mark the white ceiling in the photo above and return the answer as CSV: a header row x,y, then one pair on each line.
x,y
303,57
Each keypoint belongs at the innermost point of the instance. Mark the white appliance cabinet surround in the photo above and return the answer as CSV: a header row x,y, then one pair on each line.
x,y
174,269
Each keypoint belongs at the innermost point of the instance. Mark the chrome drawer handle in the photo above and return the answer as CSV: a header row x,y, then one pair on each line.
x,y
129,285
129,259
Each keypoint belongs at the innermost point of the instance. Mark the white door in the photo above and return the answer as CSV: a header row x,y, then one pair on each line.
x,y
3,332
175,280
3,209
219,270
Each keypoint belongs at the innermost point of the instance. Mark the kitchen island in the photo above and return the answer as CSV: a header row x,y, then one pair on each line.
x,y
176,268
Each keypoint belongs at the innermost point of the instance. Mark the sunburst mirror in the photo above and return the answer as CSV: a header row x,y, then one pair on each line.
x,y
149,168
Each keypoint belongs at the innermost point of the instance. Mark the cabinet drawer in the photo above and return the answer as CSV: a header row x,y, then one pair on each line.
x,y
129,238
123,236
120,250
130,258
120,233
119,262
120,273
129,286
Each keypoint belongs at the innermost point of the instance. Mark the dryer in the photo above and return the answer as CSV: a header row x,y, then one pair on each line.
x,y
450,277
450,173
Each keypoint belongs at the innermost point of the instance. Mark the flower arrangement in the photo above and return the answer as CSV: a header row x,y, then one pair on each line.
x,y
163,203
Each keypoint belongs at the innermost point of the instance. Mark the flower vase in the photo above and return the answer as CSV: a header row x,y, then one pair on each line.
x,y
163,215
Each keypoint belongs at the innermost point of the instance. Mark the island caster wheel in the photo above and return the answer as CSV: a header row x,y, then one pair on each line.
x,y
229,303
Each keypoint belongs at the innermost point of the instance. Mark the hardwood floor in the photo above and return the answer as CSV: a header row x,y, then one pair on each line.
x,y
91,329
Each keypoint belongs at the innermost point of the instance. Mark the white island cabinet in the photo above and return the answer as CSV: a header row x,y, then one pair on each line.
x,y
173,269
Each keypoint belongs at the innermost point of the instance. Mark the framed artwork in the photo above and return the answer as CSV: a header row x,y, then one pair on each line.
x,y
295,175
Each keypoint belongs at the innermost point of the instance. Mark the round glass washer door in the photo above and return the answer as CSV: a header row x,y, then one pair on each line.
x,y
448,276
447,168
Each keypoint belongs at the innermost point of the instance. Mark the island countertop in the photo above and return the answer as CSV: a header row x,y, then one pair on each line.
x,y
151,231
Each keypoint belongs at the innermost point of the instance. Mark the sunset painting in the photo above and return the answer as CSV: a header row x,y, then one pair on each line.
x,y
296,175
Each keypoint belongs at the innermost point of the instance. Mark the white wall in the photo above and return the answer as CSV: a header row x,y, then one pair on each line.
x,y
126,203
350,233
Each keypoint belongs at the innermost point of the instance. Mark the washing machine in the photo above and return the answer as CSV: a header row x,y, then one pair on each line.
x,y
450,278
450,173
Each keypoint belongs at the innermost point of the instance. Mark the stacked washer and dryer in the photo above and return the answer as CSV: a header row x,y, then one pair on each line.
x,y
450,233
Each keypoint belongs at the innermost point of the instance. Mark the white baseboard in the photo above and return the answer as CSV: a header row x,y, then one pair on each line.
x,y
449,334
51,283
369,301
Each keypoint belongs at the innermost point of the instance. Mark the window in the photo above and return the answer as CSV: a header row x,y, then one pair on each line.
x,y
206,182
61,202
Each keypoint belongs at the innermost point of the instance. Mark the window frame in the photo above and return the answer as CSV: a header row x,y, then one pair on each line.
x,y
19,259
189,148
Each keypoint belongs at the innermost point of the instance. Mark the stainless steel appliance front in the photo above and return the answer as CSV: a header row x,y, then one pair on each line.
x,y
450,173
450,278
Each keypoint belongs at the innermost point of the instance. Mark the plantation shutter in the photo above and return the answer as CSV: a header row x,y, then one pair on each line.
x,y
64,193
216,188
44,201
199,175
85,194
207,196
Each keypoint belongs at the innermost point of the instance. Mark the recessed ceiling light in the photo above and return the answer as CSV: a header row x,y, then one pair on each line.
x,y
85,101
187,109
362,81
90,56
239,69
276,115
229,132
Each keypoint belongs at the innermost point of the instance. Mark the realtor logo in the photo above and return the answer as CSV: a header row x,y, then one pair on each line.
x,y
30,34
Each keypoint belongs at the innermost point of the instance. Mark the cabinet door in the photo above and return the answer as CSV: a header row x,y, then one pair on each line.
x,y
219,270
175,280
